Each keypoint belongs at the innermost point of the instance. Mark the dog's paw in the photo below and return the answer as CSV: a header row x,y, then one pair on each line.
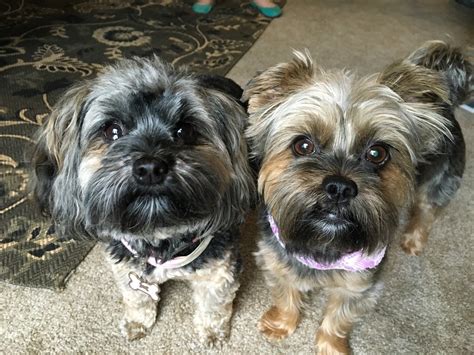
x,y
413,243
133,330
139,319
275,325
212,337
327,344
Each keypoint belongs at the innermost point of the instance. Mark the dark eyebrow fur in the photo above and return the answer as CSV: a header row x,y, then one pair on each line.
x,y
82,114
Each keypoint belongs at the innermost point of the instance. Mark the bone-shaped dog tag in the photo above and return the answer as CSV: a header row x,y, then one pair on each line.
x,y
137,283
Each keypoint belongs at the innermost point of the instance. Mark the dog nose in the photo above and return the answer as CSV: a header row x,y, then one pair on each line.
x,y
149,171
339,189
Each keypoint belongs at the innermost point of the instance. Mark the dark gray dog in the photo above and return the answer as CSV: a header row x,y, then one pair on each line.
x,y
152,160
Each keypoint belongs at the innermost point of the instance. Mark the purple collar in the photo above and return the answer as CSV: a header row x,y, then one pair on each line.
x,y
356,261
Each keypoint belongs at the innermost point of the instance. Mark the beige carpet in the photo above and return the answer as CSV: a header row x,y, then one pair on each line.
x,y
426,306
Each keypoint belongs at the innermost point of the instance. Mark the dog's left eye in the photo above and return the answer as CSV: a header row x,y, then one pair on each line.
x,y
185,134
113,131
303,146
377,154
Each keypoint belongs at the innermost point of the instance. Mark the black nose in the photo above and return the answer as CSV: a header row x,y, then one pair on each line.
x,y
149,171
339,189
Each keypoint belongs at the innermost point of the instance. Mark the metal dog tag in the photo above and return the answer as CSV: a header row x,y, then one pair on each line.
x,y
138,284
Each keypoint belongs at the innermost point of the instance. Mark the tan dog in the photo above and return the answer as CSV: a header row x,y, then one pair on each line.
x,y
347,164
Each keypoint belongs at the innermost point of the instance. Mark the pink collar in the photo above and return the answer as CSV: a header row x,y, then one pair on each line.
x,y
176,262
356,261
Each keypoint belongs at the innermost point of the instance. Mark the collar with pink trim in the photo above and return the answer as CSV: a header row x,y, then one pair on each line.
x,y
356,261
178,261
139,283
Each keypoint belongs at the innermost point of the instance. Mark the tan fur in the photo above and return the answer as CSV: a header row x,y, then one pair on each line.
x,y
397,186
91,162
278,82
343,116
140,309
270,172
414,83
282,318
422,218
350,295
61,125
214,289
331,344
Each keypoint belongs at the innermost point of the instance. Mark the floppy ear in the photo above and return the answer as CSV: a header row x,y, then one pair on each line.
x,y
430,82
223,84
435,73
415,84
55,141
44,171
278,82
269,89
450,63
242,192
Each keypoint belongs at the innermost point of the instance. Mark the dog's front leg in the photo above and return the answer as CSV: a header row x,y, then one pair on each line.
x,y
214,290
282,318
423,216
354,296
139,300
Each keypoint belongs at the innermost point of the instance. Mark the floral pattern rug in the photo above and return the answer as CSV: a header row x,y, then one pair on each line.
x,y
48,45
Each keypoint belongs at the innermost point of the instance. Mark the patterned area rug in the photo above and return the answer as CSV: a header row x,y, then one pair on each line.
x,y
46,46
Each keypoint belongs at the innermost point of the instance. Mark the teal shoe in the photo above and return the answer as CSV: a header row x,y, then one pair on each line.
x,y
274,11
202,9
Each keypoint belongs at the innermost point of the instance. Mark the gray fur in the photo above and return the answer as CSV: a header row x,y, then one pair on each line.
x,y
68,140
87,181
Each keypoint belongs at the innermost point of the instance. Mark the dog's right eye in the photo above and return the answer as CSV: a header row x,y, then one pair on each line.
x,y
377,154
112,131
303,146
185,134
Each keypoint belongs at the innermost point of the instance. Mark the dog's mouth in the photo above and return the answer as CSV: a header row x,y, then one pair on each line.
x,y
135,208
147,211
335,217
325,234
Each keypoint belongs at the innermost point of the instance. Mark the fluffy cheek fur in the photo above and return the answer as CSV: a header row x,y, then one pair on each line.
x,y
295,197
90,164
111,196
398,186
